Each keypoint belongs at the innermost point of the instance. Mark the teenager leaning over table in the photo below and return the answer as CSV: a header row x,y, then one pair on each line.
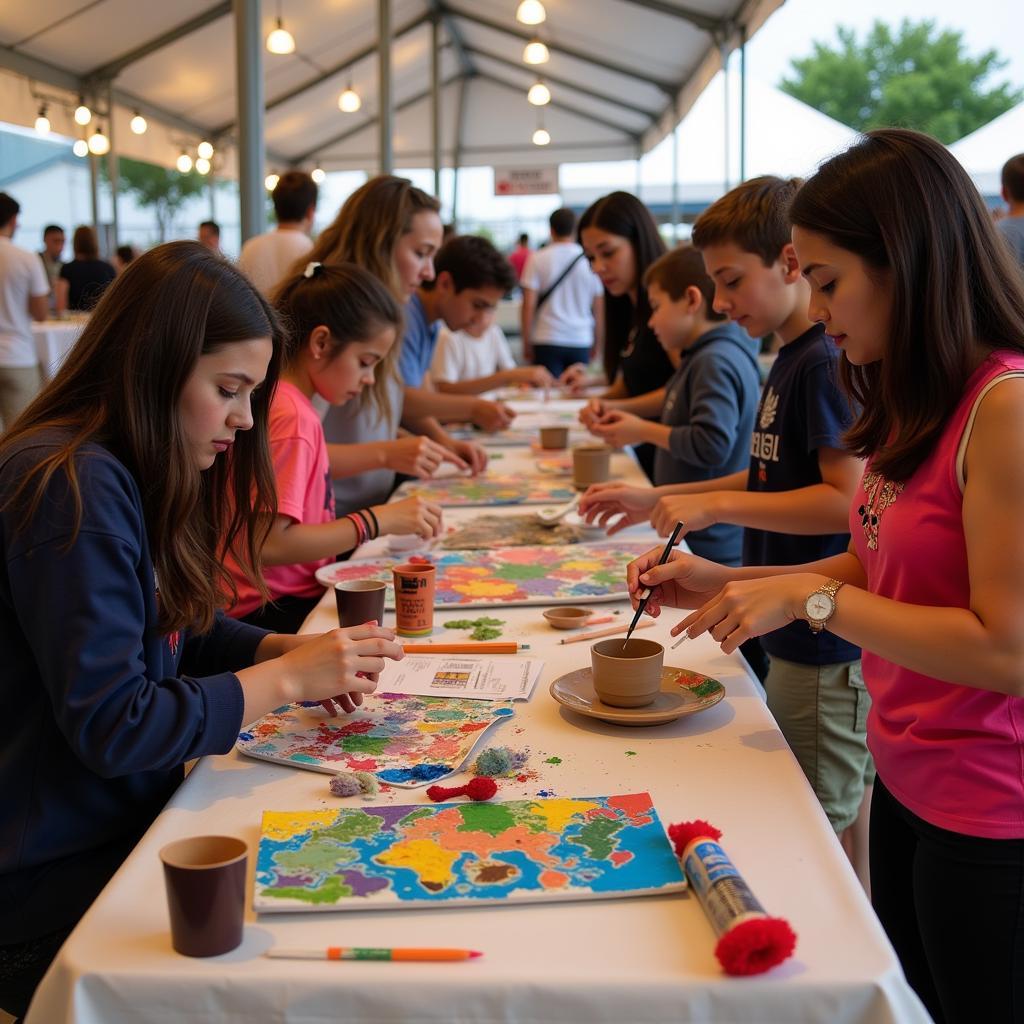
x,y
118,664
912,282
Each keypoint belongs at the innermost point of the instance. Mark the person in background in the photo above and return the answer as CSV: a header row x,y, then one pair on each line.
x,y
23,298
123,255
266,259
621,241
520,254
84,279
52,257
562,313
1012,225
209,235
916,289
478,359
345,323
122,487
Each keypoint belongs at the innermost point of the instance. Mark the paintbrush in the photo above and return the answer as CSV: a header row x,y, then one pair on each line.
x,y
647,591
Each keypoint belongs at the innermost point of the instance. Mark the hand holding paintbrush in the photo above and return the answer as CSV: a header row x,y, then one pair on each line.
x,y
647,590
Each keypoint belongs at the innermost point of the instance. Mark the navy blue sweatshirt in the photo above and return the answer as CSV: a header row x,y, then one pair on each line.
x,y
98,711
710,404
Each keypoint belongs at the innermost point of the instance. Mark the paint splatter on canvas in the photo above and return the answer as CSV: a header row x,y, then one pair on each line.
x,y
455,491
398,857
523,576
492,531
402,740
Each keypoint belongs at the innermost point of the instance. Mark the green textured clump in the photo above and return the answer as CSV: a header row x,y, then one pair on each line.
x,y
483,628
498,762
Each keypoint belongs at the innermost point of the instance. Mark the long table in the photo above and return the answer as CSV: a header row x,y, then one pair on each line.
x,y
634,960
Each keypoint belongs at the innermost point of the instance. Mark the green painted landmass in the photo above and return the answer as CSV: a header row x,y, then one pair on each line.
x,y
320,854
375,745
353,824
331,891
521,572
597,836
490,818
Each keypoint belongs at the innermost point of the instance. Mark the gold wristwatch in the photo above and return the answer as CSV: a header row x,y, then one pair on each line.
x,y
821,605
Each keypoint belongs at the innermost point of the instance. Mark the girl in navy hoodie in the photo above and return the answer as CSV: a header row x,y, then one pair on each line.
x,y
122,487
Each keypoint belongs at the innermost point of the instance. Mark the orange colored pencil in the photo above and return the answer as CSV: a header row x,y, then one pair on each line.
x,y
371,953
611,631
484,647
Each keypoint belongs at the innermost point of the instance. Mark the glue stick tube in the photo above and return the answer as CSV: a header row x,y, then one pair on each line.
x,y
749,941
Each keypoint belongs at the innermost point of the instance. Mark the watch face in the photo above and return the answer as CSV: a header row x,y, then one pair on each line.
x,y
819,606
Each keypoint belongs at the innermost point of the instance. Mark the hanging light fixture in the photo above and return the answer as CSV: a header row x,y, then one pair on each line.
x,y
42,121
539,94
80,148
83,115
184,162
280,40
99,144
204,151
202,165
541,137
270,182
531,12
535,52
138,124
318,174
349,101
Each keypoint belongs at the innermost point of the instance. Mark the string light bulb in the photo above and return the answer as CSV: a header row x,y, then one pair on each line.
x,y
536,52
280,41
138,124
42,121
80,148
270,182
202,165
184,162
349,101
318,174
539,94
99,144
204,151
531,12
541,137
83,115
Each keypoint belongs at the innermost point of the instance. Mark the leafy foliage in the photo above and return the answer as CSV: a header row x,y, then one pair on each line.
x,y
917,77
164,190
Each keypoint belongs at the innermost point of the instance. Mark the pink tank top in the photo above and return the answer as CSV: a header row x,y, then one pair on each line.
x,y
953,755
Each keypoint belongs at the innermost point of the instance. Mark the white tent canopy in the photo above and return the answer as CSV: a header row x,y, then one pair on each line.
x,y
986,149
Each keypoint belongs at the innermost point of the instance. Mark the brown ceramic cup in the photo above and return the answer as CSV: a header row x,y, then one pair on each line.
x,y
205,879
554,437
414,599
591,464
360,601
627,676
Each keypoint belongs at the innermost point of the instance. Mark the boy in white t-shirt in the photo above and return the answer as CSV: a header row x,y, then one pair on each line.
x,y
479,359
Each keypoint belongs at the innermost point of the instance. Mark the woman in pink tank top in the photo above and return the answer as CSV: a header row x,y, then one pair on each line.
x,y
919,291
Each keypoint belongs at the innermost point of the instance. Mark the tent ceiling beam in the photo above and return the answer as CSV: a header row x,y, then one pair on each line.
x,y
701,21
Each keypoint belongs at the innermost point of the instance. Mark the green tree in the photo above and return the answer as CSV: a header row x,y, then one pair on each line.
x,y
916,77
163,190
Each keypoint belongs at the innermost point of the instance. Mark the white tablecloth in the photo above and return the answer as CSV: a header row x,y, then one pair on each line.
x,y
54,339
634,960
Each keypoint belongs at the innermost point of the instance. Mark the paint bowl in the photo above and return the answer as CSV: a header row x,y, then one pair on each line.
x,y
627,674
567,618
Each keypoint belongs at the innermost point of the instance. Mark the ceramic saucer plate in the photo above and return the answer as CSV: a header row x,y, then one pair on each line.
x,y
682,693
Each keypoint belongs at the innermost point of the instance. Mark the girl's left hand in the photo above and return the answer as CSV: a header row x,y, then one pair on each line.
x,y
618,428
747,608
475,455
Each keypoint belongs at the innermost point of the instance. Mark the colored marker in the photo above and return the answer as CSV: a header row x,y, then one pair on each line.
x,y
371,953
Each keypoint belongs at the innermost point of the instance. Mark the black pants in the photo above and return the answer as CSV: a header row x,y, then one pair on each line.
x,y
953,907
285,615
558,358
22,967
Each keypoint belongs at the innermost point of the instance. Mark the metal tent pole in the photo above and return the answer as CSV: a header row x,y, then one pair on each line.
x,y
112,171
435,99
675,173
387,114
249,83
743,103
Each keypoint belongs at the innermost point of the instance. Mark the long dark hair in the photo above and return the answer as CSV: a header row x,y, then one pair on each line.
x,y
120,386
620,213
905,206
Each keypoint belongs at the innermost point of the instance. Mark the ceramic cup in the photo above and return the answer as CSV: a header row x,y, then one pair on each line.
x,y
627,677
360,601
591,464
205,879
414,599
554,437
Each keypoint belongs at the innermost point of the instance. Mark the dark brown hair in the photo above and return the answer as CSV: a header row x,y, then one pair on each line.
x,y
120,386
473,263
1013,178
294,193
622,214
905,206
683,268
83,243
753,216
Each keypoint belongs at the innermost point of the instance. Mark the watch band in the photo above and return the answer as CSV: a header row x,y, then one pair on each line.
x,y
829,588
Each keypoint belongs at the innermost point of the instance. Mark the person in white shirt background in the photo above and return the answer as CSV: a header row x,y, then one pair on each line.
x,y
24,293
562,315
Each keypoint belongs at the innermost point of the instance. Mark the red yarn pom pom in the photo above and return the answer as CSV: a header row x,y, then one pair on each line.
x,y
685,832
755,946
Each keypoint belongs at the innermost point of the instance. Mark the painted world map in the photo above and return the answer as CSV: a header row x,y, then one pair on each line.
x,y
396,857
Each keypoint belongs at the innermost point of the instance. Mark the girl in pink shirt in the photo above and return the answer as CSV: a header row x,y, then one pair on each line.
x,y
917,289
344,324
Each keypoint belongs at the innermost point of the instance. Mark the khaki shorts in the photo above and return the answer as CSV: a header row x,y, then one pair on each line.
x,y
18,386
822,711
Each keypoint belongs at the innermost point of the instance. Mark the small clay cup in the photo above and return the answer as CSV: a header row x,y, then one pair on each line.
x,y
360,601
553,438
591,464
567,618
627,677
414,599
205,880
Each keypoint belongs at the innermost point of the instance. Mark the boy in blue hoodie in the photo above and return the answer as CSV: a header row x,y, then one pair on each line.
x,y
710,401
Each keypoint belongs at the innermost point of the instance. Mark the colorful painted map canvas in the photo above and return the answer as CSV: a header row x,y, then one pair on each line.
x,y
570,574
403,740
492,531
388,857
454,491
